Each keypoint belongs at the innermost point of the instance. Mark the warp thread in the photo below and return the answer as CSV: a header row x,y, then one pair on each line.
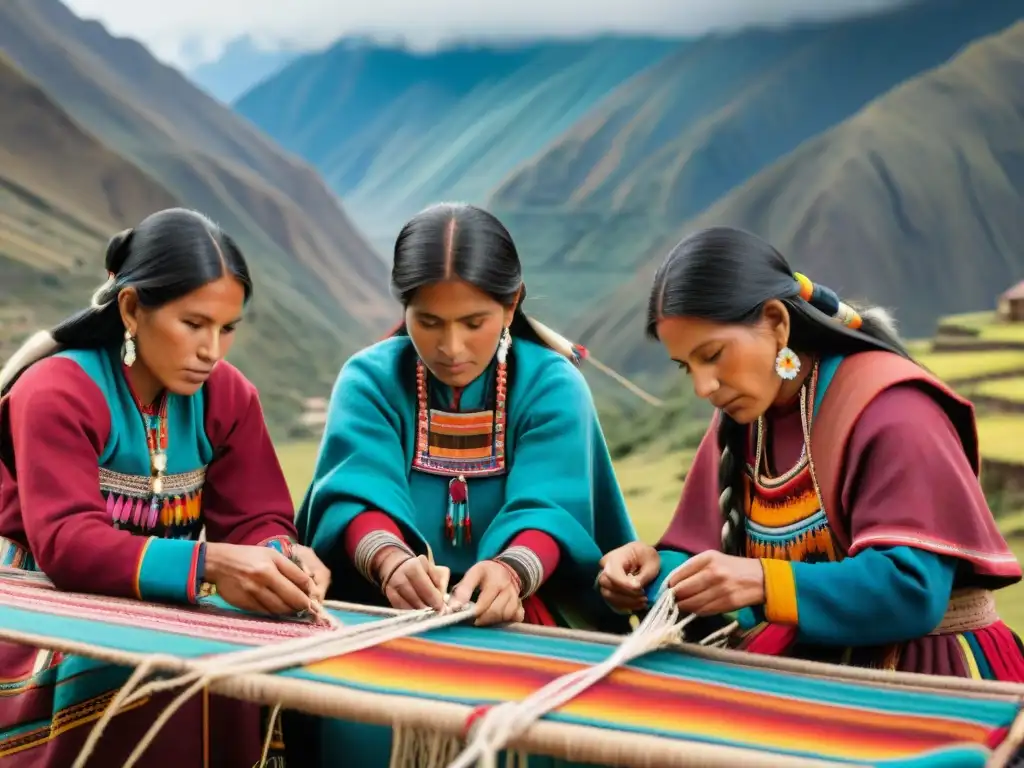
x,y
661,627
336,641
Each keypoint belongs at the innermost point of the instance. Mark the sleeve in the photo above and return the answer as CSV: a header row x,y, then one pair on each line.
x,y
534,556
246,499
60,422
367,534
555,473
905,459
878,596
361,463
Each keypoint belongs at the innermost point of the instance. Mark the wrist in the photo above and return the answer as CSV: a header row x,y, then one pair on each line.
x,y
511,573
385,558
213,562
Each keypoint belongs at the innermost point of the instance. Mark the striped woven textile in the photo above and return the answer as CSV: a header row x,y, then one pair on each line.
x,y
670,703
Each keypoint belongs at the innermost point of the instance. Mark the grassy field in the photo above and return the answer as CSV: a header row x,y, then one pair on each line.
x,y
958,366
1002,437
1011,390
651,483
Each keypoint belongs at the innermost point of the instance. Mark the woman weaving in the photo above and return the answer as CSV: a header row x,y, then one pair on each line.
x,y
468,438
834,502
123,434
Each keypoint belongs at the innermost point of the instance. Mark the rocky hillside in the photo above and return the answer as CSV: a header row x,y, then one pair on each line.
x,y
669,144
321,289
914,203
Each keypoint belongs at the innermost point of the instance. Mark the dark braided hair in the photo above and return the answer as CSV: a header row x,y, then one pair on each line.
x,y
726,275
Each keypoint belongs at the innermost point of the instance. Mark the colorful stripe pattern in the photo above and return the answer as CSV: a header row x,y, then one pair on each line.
x,y
666,694
174,513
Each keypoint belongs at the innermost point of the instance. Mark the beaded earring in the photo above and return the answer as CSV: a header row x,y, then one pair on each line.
x,y
787,364
503,344
128,353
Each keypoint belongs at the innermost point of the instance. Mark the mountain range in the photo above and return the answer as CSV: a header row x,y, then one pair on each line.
x,y
600,156
913,203
95,134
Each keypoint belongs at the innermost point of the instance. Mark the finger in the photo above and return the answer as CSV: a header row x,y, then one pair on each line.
x,y
408,592
488,594
269,602
288,593
702,602
464,589
693,585
494,612
612,591
396,600
294,573
427,591
624,604
440,576
616,578
650,567
694,564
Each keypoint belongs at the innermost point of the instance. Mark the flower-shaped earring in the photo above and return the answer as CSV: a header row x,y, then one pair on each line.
x,y
787,364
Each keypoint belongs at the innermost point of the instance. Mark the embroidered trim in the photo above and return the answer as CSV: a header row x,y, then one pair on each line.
x,y
13,555
281,543
138,486
369,546
968,610
460,444
528,567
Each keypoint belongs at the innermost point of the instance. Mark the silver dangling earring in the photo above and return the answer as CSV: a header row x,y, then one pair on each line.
x,y
787,364
503,344
128,354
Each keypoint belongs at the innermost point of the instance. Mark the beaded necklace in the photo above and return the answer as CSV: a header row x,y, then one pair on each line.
x,y
459,446
808,394
154,424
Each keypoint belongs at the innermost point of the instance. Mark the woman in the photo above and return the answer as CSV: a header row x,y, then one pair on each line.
x,y
468,440
123,434
834,502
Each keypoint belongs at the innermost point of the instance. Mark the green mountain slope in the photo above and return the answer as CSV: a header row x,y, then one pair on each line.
x,y
913,203
321,290
62,193
668,144
393,130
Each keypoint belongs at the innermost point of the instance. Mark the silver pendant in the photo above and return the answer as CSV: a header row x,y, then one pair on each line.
x,y
159,461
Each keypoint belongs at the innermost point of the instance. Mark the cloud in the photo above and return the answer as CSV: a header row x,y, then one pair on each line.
x,y
189,31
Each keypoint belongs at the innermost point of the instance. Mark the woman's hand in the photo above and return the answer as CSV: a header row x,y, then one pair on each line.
x,y
410,582
315,569
713,582
498,601
257,579
625,574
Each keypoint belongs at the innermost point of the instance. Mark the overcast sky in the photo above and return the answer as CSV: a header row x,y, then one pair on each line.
x,y
180,30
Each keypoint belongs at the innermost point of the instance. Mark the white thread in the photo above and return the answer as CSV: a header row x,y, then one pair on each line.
x,y
337,641
508,720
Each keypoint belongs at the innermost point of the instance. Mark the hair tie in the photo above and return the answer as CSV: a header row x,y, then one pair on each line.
x,y
826,300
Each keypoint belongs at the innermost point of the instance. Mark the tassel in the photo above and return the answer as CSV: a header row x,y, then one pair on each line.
x,y
457,523
137,513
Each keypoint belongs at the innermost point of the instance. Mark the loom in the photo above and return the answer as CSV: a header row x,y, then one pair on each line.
x,y
680,706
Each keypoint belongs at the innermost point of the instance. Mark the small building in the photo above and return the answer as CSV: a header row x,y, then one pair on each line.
x,y
1010,308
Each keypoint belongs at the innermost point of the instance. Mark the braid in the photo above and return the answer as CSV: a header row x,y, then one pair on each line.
x,y
730,483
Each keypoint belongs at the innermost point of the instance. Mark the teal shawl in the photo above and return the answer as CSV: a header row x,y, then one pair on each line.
x,y
559,480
